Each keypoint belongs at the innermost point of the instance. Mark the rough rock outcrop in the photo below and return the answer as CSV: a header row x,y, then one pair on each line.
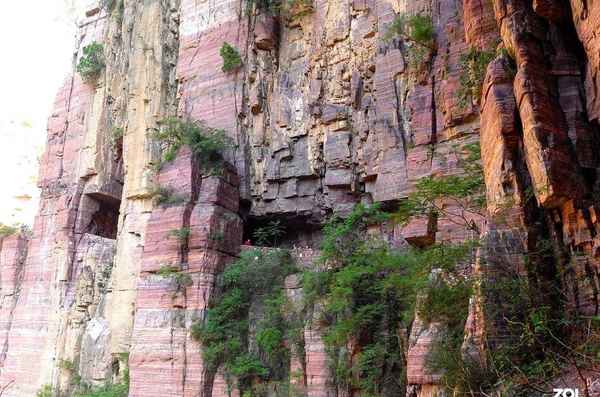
x,y
324,112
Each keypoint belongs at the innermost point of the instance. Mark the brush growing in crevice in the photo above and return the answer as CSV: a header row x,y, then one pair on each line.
x,y
256,279
231,58
206,144
473,66
92,62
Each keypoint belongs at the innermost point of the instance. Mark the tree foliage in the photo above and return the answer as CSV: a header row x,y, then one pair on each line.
x,y
367,292
231,57
473,66
269,234
457,197
92,62
207,144
255,279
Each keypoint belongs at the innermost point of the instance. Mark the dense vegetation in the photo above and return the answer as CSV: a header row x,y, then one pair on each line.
x,y
280,7
473,66
92,62
81,389
370,291
254,282
207,144
6,230
231,57
166,196
418,35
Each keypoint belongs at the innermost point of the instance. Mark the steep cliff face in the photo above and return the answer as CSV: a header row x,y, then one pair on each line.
x,y
327,110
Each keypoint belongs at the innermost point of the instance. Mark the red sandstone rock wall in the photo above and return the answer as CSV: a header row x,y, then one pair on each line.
x,y
325,113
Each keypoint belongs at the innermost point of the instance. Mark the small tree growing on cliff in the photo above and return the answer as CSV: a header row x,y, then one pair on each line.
x,y
418,33
206,143
472,65
92,62
231,58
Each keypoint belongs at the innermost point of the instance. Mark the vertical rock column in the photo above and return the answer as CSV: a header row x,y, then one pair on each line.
x,y
164,360
13,251
141,82
548,154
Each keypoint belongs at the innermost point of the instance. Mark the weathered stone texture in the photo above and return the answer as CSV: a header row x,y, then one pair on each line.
x,y
324,113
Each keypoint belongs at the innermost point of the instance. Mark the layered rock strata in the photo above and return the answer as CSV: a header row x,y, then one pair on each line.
x,y
325,112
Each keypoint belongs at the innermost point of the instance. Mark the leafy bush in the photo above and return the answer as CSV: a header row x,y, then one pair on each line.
x,y
45,391
92,62
66,365
116,137
6,230
166,196
279,7
231,57
120,389
473,66
418,34
466,191
414,28
206,143
446,302
257,276
368,292
268,234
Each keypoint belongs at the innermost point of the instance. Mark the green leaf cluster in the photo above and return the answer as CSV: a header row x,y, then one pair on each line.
x,y
166,196
231,57
269,234
257,278
368,292
414,28
92,62
180,278
473,67
206,143
466,191
6,230
181,234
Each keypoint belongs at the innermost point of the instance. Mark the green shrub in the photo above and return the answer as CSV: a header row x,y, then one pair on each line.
x,y
116,138
66,365
368,293
231,58
414,28
446,302
268,234
92,62
207,144
120,389
6,230
279,7
473,66
45,391
258,277
466,191
418,34
166,196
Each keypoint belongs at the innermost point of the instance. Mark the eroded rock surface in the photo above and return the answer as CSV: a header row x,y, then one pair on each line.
x,y
325,112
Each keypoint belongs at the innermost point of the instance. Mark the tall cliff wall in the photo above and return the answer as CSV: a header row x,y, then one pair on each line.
x,y
326,111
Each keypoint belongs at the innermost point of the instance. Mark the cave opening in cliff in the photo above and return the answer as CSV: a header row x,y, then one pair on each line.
x,y
284,231
105,219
